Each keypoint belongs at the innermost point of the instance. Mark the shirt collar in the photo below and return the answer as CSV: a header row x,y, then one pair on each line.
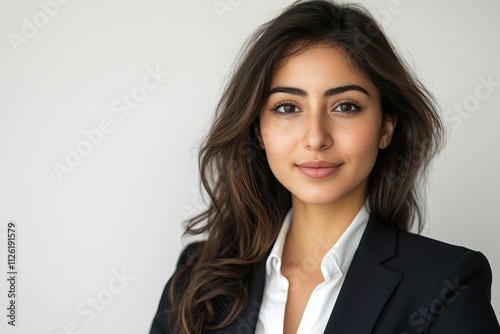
x,y
273,263
338,258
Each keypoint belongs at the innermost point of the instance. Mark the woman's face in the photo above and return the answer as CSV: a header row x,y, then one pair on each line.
x,y
322,127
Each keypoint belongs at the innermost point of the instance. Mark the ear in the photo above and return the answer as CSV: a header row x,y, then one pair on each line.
x,y
388,126
258,135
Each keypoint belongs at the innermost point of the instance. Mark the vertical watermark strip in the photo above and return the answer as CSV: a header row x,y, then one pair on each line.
x,y
12,270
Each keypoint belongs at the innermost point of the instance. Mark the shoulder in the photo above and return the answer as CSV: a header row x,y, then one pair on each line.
x,y
424,264
406,250
441,287
422,252
160,323
189,253
424,247
442,263
187,259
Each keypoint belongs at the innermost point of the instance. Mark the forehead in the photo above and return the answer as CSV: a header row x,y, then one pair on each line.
x,y
318,64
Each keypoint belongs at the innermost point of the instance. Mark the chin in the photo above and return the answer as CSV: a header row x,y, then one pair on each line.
x,y
318,199
331,194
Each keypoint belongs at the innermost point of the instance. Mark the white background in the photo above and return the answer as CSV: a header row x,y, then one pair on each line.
x,y
120,209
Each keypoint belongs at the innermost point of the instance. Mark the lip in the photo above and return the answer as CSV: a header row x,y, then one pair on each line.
x,y
318,169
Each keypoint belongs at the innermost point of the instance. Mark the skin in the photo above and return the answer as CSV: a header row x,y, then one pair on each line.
x,y
311,126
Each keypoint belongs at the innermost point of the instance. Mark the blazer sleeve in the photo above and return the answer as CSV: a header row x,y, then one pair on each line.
x,y
462,301
160,324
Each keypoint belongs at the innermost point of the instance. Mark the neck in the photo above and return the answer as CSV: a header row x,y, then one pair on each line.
x,y
316,228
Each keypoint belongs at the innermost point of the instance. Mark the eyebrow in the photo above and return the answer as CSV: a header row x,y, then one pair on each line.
x,y
328,93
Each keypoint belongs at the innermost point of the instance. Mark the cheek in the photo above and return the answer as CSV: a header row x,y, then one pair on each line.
x,y
280,142
275,132
361,142
277,143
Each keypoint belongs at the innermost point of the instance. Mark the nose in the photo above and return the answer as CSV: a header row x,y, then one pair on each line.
x,y
317,135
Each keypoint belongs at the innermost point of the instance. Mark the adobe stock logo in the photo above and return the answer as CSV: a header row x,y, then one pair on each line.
x,y
30,27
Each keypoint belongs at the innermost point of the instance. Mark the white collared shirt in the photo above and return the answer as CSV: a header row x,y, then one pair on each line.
x,y
334,267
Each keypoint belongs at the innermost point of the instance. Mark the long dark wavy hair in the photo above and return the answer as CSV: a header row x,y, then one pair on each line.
x,y
247,203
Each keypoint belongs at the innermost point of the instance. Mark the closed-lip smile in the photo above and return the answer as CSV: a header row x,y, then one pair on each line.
x,y
318,169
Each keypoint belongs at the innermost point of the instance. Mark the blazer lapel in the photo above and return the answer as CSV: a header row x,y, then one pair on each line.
x,y
368,284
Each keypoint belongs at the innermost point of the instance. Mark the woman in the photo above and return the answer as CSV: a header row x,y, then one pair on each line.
x,y
313,165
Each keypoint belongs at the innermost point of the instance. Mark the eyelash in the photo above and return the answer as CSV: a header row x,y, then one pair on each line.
x,y
357,107
275,108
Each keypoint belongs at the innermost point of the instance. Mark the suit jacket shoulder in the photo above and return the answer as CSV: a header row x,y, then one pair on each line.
x,y
403,283
160,323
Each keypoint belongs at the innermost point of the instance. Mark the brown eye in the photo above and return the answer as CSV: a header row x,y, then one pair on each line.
x,y
348,108
288,108
285,108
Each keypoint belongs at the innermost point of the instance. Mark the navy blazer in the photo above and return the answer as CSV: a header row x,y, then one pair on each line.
x,y
398,283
